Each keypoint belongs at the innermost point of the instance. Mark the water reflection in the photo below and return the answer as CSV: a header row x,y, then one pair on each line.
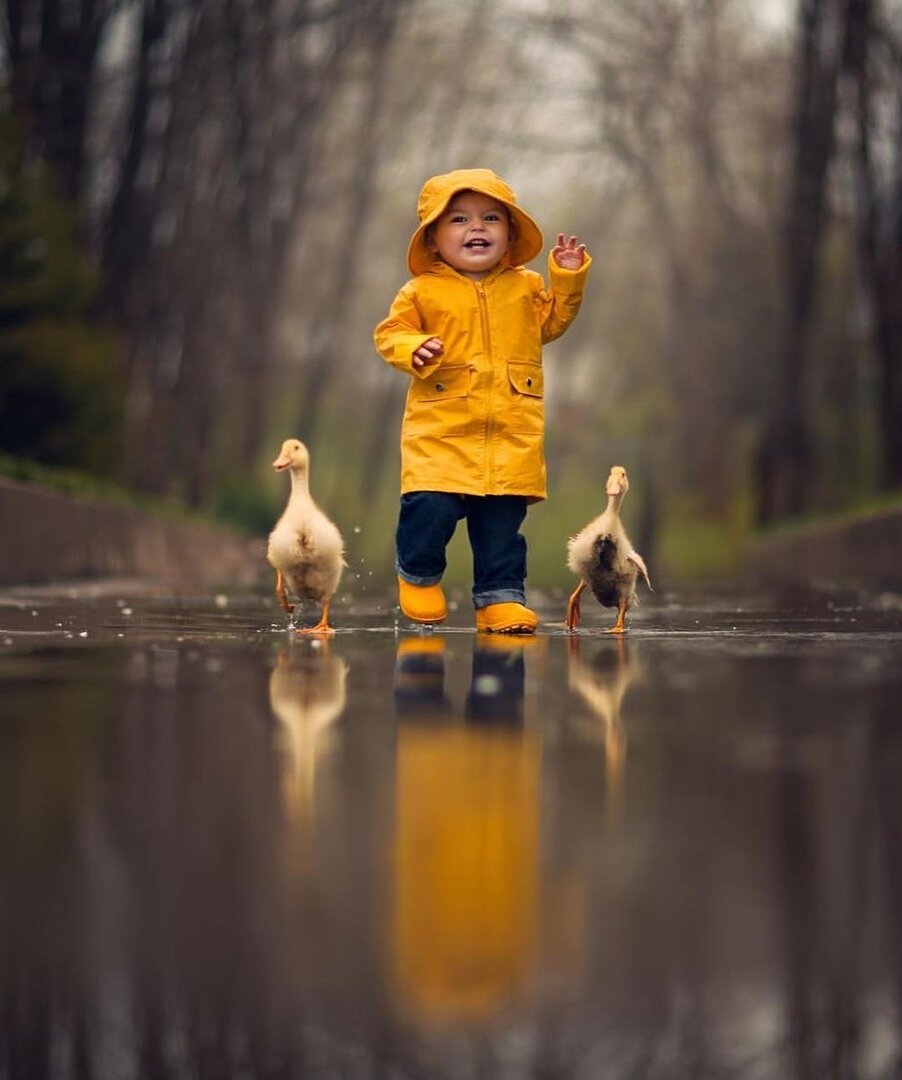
x,y
466,904
307,693
601,681
247,855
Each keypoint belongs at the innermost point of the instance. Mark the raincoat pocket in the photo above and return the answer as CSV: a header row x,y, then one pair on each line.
x,y
527,378
443,383
439,404
527,385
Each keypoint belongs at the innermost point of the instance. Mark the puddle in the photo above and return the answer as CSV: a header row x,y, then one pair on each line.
x,y
229,851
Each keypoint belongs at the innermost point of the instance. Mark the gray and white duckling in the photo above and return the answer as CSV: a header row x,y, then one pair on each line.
x,y
305,548
605,559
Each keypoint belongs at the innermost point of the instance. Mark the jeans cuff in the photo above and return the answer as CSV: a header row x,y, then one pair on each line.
x,y
412,579
513,594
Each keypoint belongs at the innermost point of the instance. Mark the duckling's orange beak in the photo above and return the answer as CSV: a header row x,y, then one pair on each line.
x,y
281,462
614,485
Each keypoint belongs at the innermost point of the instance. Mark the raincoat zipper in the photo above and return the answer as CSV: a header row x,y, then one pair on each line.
x,y
487,342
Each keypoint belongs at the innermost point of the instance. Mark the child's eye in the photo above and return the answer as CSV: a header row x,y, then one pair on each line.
x,y
492,217
458,219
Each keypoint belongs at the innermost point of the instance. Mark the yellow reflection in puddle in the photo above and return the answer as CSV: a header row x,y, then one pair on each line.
x,y
467,840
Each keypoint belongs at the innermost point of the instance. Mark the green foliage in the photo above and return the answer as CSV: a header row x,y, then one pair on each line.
x,y
247,505
695,544
698,548
61,394
91,487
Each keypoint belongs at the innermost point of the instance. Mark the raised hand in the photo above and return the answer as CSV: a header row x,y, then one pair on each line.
x,y
570,254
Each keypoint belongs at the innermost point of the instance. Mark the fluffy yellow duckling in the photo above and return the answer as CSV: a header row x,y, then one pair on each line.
x,y
604,558
305,549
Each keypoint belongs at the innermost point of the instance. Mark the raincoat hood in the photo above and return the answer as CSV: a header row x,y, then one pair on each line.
x,y
438,191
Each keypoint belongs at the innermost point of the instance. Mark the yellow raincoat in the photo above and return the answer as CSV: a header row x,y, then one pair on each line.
x,y
474,421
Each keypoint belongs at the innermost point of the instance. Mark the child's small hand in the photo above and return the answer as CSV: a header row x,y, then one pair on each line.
x,y
570,255
430,350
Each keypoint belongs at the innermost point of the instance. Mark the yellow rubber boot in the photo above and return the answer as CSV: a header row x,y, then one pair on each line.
x,y
509,618
422,603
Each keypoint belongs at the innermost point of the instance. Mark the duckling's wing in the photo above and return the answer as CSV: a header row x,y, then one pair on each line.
x,y
636,558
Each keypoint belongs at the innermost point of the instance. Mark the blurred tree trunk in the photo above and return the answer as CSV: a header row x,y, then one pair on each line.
x,y
206,211
879,215
786,456
125,242
886,269
329,337
209,180
51,48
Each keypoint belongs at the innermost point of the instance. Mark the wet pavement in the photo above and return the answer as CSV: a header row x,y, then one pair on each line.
x,y
229,852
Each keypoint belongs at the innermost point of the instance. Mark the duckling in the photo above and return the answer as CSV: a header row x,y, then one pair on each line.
x,y
605,559
305,549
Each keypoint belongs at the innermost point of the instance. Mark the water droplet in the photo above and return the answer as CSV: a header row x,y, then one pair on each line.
x,y
220,600
126,611
357,529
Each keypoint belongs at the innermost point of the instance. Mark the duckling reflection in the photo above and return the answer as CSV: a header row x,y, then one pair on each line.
x,y
602,683
307,694
467,839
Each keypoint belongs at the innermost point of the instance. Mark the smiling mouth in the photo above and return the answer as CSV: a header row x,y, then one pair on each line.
x,y
479,245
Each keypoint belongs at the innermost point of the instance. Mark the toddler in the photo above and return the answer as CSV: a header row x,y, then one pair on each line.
x,y
469,328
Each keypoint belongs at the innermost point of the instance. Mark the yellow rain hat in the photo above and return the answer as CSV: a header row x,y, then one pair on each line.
x,y
437,193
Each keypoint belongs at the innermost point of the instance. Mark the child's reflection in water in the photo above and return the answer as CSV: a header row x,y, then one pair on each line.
x,y
467,833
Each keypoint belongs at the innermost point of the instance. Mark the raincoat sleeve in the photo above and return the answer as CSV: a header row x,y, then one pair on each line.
x,y
559,304
402,332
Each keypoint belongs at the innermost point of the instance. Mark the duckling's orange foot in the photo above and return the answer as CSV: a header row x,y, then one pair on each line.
x,y
320,630
281,595
619,627
573,614
509,618
573,607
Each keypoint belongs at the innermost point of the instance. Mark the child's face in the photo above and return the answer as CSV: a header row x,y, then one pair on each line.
x,y
472,235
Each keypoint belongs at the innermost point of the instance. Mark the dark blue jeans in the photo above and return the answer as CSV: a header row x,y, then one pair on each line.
x,y
427,522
